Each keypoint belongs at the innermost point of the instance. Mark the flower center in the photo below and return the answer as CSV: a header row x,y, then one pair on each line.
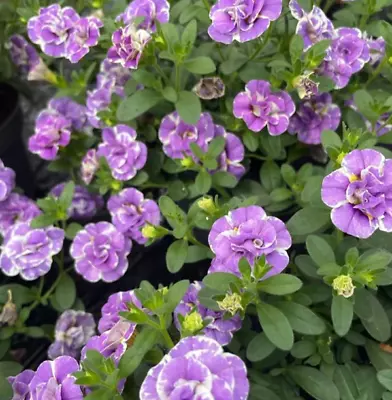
x,y
258,243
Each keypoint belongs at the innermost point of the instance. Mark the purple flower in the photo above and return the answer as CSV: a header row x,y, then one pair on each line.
x,y
84,34
359,193
20,385
348,53
377,50
197,368
258,106
51,29
72,111
220,329
242,20
100,252
117,72
7,181
230,159
128,46
313,26
29,252
177,136
15,209
73,330
52,131
124,154
248,232
89,166
84,204
151,10
54,380
130,212
313,116
23,54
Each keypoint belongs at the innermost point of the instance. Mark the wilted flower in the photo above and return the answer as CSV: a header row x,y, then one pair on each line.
x,y
128,46
7,181
84,204
73,330
9,314
343,284
150,10
100,252
258,106
51,29
29,252
23,54
20,385
231,303
195,367
242,20
376,49
313,116
210,88
306,88
177,136
359,193
54,380
52,131
248,232
130,212
124,154
221,329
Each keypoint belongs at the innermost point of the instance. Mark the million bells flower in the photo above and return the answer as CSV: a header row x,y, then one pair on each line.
x,y
360,193
248,232
7,181
20,384
23,54
197,368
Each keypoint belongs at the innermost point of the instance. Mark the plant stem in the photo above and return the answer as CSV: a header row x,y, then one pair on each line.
x,y
222,192
178,78
207,5
193,240
165,333
261,46
328,5
256,156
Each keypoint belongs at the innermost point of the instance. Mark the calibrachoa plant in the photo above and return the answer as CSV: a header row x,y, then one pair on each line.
x,y
246,146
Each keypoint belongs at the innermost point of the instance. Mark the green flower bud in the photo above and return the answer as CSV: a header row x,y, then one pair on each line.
x,y
207,204
193,322
187,162
343,284
231,303
153,232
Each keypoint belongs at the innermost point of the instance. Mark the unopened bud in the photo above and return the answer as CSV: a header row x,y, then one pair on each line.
x,y
306,88
207,204
343,284
187,162
193,322
153,232
42,73
231,303
9,315
340,157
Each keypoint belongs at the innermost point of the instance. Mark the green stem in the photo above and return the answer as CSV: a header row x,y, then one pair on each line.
x,y
165,333
193,240
256,156
261,45
178,78
339,235
207,5
328,5
161,72
376,72
222,192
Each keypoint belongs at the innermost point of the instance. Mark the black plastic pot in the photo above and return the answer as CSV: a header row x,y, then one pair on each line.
x,y
13,152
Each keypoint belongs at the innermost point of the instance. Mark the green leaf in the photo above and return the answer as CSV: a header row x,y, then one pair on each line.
x,y
67,194
170,94
9,368
378,357
200,65
345,382
216,146
146,78
42,221
259,348
175,294
303,349
189,35
280,285
137,104
65,292
20,294
224,179
308,220
342,311
188,107
203,181
330,139
288,174
314,382
176,255
35,332
4,346
221,280
170,34
5,389
319,250
280,194
374,259
296,48
364,101
175,216
270,175
275,326
195,254
72,229
385,378
251,140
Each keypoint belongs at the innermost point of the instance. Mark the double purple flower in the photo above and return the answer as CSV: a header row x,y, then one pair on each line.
x,y
100,252
29,252
124,154
258,106
20,384
23,54
121,76
242,20
197,368
313,116
7,181
376,49
248,232
89,166
360,193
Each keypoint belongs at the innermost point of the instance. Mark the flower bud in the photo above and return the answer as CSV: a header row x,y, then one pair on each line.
x,y
193,322
187,162
343,284
231,303
340,157
153,231
41,72
207,204
9,315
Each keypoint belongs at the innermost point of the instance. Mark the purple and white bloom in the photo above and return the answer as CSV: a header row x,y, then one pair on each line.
x,y
248,232
377,50
52,131
29,252
72,111
128,46
121,76
20,384
230,159
23,54
130,212
7,181
54,380
177,136
242,20
348,53
359,193
313,26
313,116
84,204
197,368
100,252
89,166
85,34
15,209
220,329
258,106
51,29
124,154
383,124
73,330
150,10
